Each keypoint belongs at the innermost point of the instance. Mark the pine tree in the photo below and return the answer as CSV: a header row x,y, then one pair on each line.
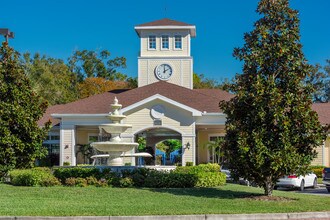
x,y
20,109
271,128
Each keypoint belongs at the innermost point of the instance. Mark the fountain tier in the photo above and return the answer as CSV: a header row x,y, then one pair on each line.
x,y
115,147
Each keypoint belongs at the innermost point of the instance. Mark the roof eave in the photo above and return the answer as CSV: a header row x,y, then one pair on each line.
x,y
191,28
59,116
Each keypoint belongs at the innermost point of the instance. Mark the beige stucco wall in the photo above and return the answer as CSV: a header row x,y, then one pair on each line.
x,y
179,59
182,71
202,139
323,154
83,133
171,52
175,118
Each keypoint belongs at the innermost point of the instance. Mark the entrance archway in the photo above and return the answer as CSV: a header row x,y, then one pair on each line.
x,y
164,144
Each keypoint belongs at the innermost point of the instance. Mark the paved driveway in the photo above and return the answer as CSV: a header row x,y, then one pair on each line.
x,y
320,191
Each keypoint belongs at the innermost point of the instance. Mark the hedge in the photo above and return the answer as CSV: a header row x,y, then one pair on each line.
x,y
33,177
317,170
208,175
77,172
204,175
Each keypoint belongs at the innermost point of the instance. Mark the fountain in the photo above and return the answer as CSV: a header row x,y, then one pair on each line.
x,y
115,147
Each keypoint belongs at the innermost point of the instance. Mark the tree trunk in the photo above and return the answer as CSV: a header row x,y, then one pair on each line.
x,y
268,187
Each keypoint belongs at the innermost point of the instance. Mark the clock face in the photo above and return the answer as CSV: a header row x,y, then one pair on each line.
x,y
164,71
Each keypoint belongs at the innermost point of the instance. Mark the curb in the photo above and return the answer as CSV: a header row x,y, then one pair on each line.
x,y
269,216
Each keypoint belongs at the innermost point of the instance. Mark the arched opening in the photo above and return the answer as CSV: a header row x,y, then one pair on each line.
x,y
164,144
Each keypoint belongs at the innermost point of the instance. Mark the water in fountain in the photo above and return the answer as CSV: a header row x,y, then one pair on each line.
x,y
115,147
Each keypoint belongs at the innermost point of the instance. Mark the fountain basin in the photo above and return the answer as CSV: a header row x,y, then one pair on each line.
x,y
107,146
116,118
115,128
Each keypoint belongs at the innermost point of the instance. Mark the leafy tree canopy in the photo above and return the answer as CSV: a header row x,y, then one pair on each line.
x,y
87,63
319,79
271,128
20,109
51,78
202,82
92,86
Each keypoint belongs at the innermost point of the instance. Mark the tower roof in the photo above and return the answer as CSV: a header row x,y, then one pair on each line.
x,y
166,24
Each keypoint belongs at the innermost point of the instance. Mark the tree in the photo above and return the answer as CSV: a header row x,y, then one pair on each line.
x,y
132,82
20,109
86,150
271,129
319,79
327,81
87,64
51,78
217,148
202,82
92,86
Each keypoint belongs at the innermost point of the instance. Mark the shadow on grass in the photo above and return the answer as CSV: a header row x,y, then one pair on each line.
x,y
205,192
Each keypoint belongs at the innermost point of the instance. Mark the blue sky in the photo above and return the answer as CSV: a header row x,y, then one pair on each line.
x,y
58,27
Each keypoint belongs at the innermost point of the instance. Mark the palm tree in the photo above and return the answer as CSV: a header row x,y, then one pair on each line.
x,y
86,150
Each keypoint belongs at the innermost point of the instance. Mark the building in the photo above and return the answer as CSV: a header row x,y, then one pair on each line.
x,y
164,106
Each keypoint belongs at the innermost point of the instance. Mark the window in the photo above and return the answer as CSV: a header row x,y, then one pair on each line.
x,y
52,148
177,42
55,137
165,42
152,42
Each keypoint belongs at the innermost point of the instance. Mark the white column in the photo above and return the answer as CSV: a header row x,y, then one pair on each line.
x,y
67,143
73,147
188,154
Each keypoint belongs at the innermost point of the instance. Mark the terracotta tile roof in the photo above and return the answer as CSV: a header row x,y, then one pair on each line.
x,y
199,99
164,22
50,110
323,110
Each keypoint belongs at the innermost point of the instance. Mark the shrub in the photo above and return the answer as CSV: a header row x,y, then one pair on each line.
x,y
125,182
102,183
33,177
77,172
81,182
114,181
210,179
210,167
317,170
189,164
70,181
66,163
50,181
138,179
158,179
92,181
181,180
208,175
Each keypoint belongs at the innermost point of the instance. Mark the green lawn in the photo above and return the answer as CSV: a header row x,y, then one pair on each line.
x,y
66,201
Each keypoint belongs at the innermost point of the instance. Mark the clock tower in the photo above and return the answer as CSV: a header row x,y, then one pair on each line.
x,y
165,52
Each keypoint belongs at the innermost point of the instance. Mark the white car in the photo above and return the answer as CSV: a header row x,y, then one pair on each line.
x,y
300,182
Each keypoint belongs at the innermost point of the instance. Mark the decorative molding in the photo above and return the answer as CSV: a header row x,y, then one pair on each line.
x,y
165,99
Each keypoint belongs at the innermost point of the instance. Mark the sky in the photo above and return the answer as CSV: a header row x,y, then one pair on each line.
x,y
58,27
